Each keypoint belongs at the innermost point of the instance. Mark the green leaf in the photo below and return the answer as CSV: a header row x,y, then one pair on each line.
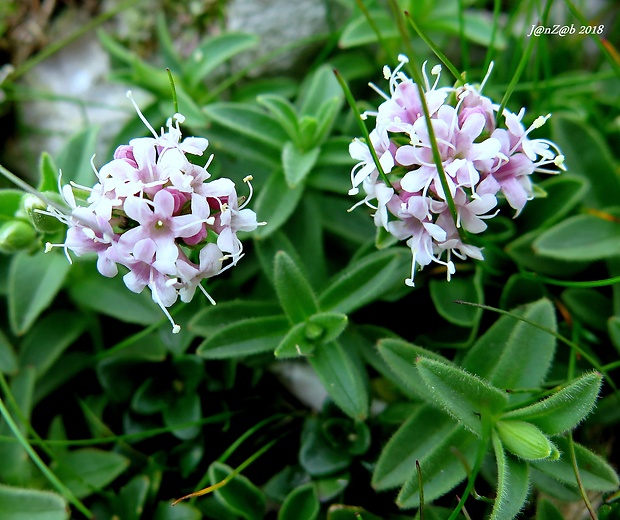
x,y
320,88
614,331
74,160
441,469
245,338
48,173
326,116
293,289
239,496
8,358
589,306
513,354
564,409
365,280
9,204
248,120
297,163
317,455
469,289
581,238
184,409
588,156
463,395
275,203
344,512
171,58
131,500
32,504
208,320
401,357
563,194
513,484
284,112
113,298
396,464
324,327
545,510
595,473
295,343
213,51
34,281
360,32
345,381
181,511
49,338
301,504
88,470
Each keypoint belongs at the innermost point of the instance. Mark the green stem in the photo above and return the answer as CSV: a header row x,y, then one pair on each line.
x,y
351,100
419,80
29,189
53,479
487,425
555,334
582,491
373,25
175,100
570,283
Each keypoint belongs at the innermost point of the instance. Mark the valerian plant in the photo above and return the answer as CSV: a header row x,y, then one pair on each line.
x,y
337,377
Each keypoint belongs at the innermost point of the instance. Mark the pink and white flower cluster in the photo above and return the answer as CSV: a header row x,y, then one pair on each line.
x,y
156,213
479,159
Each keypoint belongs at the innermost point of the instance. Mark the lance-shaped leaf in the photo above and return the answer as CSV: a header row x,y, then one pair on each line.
x,y
343,378
245,337
365,280
32,504
284,112
564,409
297,163
595,473
429,427
513,353
463,395
582,237
441,469
293,289
513,483
401,357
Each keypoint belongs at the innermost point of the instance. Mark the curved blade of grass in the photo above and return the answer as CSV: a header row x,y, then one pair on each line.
x,y
558,336
51,477
582,490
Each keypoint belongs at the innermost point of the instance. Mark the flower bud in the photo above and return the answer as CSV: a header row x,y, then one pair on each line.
x,y
32,205
525,440
15,236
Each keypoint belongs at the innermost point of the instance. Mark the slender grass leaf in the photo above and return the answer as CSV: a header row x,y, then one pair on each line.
x,y
32,504
245,337
595,473
581,238
297,164
513,484
514,354
429,427
239,496
33,282
293,289
88,470
463,395
341,376
564,409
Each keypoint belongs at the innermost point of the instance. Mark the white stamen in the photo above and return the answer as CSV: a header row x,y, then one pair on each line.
x,y
141,115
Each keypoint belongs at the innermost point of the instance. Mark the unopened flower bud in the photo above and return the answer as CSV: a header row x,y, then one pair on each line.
x,y
525,440
34,209
16,235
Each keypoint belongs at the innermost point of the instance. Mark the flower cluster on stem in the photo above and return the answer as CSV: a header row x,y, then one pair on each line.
x,y
158,214
480,160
